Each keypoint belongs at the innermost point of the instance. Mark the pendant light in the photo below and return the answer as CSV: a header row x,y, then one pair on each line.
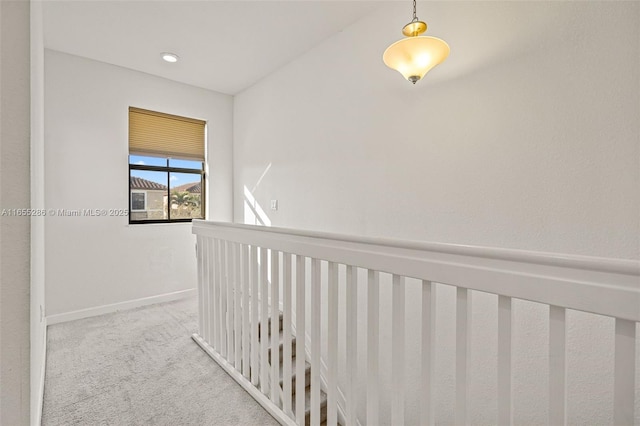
x,y
415,55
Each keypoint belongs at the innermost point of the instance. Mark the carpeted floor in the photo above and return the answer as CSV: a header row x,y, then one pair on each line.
x,y
140,367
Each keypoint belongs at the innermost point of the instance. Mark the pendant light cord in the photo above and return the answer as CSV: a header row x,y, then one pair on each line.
x,y
415,18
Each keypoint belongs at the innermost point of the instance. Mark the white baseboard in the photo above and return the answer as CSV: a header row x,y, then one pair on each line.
x,y
121,306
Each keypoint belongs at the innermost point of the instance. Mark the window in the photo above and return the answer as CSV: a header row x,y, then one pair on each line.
x,y
138,201
166,168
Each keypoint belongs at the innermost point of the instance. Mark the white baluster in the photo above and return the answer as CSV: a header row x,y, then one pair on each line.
x,y
332,337
316,295
352,344
223,299
214,293
207,289
557,370
204,302
286,331
246,311
505,411
625,372
428,351
201,286
237,297
373,330
230,305
397,351
275,325
264,326
463,316
255,367
300,339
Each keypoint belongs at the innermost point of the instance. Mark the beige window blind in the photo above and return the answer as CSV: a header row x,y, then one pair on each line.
x,y
158,134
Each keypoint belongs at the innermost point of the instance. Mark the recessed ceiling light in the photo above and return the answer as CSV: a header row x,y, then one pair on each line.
x,y
170,57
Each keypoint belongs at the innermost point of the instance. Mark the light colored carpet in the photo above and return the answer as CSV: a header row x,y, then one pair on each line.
x,y
140,367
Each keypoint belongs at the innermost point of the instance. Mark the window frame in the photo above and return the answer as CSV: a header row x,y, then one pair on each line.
x,y
168,170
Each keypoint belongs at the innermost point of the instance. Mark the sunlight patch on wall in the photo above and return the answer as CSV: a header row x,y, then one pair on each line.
x,y
254,214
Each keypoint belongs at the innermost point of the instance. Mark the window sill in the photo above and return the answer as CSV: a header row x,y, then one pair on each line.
x,y
145,225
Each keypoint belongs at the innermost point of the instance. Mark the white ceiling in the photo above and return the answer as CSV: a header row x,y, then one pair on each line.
x,y
224,46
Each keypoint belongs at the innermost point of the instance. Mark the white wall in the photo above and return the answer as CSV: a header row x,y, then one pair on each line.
x,y
14,230
95,261
522,138
527,137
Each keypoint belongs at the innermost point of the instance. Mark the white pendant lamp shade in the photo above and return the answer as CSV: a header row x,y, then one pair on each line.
x,y
413,57
416,54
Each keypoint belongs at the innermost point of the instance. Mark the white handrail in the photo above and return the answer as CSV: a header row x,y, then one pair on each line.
x,y
590,263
